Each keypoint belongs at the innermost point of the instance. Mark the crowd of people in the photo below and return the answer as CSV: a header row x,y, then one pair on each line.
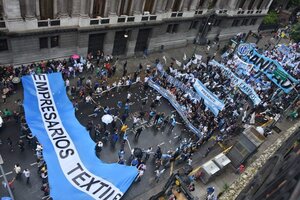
x,y
91,81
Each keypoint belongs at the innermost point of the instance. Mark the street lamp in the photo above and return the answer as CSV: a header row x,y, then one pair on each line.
x,y
208,23
5,179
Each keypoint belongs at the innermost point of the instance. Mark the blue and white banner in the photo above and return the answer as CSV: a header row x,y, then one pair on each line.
x,y
210,100
244,87
74,171
267,66
166,94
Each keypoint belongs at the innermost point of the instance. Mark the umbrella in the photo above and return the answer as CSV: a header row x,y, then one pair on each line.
x,y
75,56
107,119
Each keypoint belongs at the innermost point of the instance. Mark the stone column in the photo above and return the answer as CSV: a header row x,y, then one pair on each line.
x,y
170,5
29,9
137,10
12,9
63,8
159,6
185,5
75,8
264,4
164,5
37,8
112,8
55,9
194,4
83,8
91,7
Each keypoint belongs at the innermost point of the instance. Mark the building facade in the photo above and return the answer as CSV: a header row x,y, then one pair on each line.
x,y
34,30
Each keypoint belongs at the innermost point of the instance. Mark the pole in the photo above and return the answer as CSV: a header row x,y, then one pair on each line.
x,y
202,34
6,182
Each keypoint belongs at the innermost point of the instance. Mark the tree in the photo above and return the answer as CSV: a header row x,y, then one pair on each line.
x,y
271,18
295,32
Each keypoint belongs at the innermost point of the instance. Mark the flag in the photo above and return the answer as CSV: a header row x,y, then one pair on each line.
x,y
165,59
178,63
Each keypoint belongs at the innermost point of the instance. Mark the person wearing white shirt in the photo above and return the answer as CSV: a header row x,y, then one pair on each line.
x,y
26,173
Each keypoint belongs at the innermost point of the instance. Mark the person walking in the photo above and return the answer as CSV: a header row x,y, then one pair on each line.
x,y
138,133
124,129
21,145
98,147
26,173
135,121
158,174
18,171
148,152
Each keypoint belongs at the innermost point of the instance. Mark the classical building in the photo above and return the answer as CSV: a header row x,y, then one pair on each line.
x,y
34,30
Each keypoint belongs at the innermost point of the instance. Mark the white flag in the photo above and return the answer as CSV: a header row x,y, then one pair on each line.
x,y
165,59
195,61
178,63
198,57
184,56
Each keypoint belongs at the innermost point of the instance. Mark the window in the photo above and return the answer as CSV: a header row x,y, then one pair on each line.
x,y
245,22
235,22
172,28
54,41
149,6
194,24
3,45
125,7
99,8
241,4
43,43
46,9
253,21
176,6
217,22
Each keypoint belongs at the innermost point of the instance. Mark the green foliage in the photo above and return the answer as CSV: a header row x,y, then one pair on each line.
x,y
293,3
225,187
295,32
271,18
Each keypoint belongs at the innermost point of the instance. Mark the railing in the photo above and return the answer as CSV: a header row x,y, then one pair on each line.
x,y
177,14
48,23
148,18
98,21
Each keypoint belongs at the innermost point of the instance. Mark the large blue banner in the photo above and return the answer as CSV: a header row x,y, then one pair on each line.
x,y
210,100
74,171
271,68
244,87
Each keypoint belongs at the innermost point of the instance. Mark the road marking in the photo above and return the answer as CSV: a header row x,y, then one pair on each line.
x,y
8,173
35,163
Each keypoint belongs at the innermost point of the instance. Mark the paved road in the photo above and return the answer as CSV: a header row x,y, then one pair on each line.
x,y
149,137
